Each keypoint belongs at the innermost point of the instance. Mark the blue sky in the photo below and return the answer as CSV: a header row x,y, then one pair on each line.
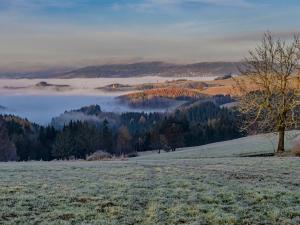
x,y
69,32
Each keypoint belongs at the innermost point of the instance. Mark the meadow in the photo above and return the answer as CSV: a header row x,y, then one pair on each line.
x,y
254,145
171,188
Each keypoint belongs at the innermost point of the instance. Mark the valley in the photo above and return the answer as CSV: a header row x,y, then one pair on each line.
x,y
42,99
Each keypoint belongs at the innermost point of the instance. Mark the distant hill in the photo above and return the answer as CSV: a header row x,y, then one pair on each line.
x,y
133,70
160,97
155,69
35,73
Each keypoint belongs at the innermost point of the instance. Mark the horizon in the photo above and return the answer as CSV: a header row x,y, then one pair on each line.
x,y
49,34
42,69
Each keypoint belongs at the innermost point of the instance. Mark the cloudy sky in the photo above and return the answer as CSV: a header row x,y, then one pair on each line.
x,y
79,32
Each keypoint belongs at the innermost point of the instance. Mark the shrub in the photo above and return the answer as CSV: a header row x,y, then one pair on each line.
x,y
98,155
132,154
296,150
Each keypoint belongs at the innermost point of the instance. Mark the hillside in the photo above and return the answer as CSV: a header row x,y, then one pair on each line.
x,y
160,97
246,146
170,92
178,83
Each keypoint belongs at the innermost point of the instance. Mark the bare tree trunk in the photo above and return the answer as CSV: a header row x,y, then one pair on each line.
x,y
280,147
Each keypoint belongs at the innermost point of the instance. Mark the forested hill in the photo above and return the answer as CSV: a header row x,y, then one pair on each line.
x,y
88,130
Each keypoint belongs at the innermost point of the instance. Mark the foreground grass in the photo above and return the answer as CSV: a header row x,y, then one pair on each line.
x,y
200,191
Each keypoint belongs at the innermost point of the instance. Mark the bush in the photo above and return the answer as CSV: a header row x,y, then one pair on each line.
x,y
296,150
98,155
132,154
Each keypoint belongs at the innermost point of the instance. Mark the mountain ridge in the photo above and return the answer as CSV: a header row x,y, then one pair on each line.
x,y
138,69
155,68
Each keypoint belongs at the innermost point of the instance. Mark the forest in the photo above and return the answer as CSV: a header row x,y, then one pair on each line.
x,y
192,125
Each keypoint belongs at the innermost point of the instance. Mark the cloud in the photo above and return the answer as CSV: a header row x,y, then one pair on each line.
x,y
153,5
72,45
87,31
37,4
255,37
236,3
25,9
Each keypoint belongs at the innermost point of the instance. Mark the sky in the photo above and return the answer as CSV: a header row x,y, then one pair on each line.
x,y
46,33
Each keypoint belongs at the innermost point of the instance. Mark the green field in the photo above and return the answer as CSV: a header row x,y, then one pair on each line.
x,y
205,185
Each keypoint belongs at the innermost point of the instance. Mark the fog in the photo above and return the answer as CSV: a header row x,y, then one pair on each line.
x,y
41,109
80,86
23,98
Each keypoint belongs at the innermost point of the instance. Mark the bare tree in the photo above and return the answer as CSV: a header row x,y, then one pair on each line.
x,y
270,94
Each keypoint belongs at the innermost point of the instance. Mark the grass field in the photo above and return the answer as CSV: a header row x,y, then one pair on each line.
x,y
147,190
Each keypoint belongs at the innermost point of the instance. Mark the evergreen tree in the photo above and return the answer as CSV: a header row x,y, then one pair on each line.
x,y
107,137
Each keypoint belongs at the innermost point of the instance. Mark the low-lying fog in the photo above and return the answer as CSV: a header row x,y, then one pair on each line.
x,y
79,86
41,109
23,98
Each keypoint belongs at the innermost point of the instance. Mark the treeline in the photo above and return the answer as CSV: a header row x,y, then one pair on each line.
x,y
167,92
193,125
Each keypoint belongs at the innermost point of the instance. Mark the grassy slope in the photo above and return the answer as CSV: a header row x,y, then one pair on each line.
x,y
174,190
247,146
